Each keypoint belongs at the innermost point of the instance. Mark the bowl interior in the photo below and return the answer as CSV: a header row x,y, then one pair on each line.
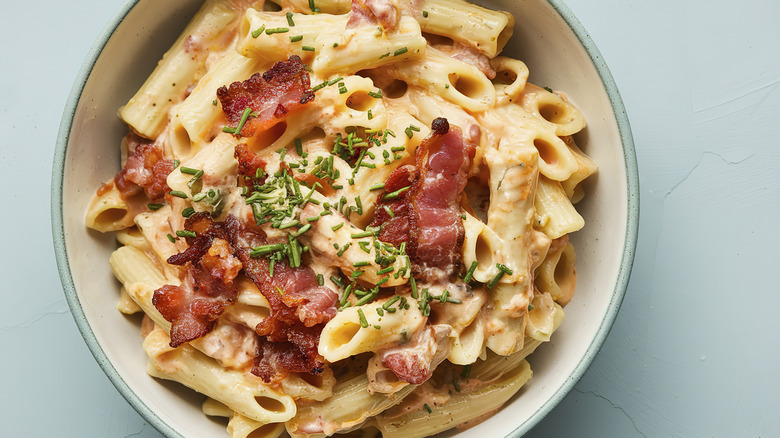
x,y
88,155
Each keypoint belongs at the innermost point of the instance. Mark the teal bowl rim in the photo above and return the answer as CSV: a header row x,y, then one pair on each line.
x,y
63,266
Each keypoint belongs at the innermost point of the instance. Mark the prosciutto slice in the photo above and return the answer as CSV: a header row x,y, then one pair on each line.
x,y
427,216
271,96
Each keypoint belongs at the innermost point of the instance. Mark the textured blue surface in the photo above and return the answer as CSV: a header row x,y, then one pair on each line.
x,y
693,352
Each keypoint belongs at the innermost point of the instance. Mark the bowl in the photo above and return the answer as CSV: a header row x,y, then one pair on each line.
x,y
559,53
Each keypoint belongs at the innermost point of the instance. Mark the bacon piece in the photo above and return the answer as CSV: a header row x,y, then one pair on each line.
x,y
415,361
395,228
469,55
146,169
437,232
272,96
427,216
248,165
207,289
299,309
372,12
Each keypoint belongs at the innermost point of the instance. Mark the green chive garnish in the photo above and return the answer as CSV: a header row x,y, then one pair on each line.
x,y
397,193
377,186
258,32
171,238
187,212
307,48
178,194
296,38
154,206
375,95
186,233
277,30
363,321
290,21
470,272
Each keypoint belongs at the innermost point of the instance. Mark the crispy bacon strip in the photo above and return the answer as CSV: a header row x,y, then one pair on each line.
x,y
272,96
372,12
248,165
146,169
299,309
427,216
207,289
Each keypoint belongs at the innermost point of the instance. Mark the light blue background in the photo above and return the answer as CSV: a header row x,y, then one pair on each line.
x,y
695,350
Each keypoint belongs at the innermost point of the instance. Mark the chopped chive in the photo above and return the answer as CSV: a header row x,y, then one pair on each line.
x,y
311,5
277,30
385,55
385,270
396,193
466,371
530,306
413,284
189,170
290,21
380,312
492,283
186,233
237,129
389,211
364,246
390,302
307,48
377,186
470,272
154,206
356,274
370,116
320,280
335,81
549,90
176,163
401,51
361,264
171,238
367,298
425,15
214,102
337,281
337,226
375,95
296,38
313,218
363,321
301,230
187,212
359,205
298,146
343,249
289,224
178,194
362,234
503,269
258,32
427,408
319,86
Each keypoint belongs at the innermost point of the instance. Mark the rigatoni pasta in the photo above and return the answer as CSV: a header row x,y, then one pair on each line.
x,y
345,217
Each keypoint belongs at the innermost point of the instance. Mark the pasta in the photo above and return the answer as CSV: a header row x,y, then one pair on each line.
x,y
345,217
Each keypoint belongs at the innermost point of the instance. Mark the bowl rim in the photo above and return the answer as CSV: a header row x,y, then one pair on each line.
x,y
618,293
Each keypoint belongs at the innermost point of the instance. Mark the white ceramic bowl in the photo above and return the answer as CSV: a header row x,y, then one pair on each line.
x,y
559,54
